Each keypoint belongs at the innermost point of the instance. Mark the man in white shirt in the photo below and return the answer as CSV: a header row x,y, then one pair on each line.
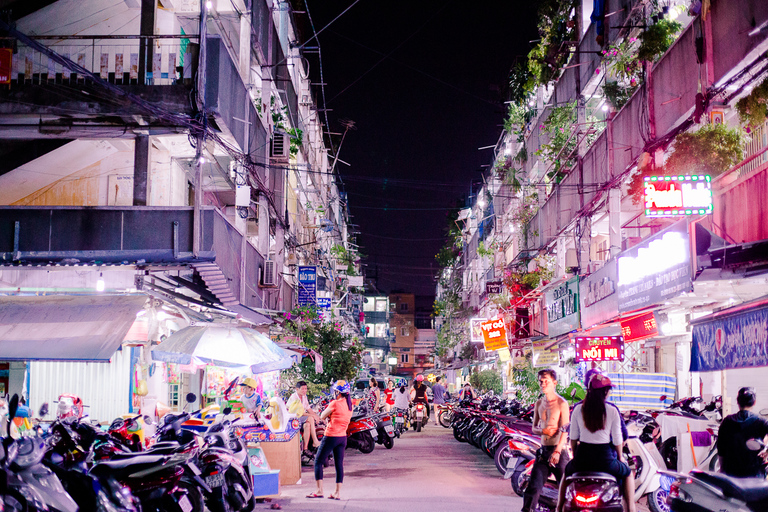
x,y
308,418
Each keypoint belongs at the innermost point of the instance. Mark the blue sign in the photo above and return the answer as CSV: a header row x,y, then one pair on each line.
x,y
734,341
307,286
324,303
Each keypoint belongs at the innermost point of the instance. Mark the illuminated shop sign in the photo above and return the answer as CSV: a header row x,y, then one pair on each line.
x,y
599,348
563,307
639,327
494,334
672,196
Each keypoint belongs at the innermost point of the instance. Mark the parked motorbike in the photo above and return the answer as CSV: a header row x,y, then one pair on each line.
x,y
445,413
362,432
594,491
385,430
15,494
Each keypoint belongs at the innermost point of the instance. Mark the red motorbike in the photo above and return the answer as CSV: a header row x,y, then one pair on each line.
x,y
362,433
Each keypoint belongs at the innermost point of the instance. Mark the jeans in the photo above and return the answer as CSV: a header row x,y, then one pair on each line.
x,y
328,445
540,473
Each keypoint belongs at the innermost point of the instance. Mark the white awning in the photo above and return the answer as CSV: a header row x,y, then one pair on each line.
x,y
66,327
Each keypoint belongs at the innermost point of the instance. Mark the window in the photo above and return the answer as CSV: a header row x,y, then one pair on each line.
x,y
368,304
370,330
381,330
381,305
403,306
403,358
404,331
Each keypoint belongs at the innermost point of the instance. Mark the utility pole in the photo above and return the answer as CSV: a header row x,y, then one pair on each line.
x,y
348,124
198,220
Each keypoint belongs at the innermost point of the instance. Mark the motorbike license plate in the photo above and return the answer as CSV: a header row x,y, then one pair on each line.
x,y
374,433
419,414
512,463
399,419
389,428
216,480
184,504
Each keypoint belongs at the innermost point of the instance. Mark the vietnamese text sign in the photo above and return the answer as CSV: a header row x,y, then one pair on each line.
x,y
494,334
324,302
493,287
639,327
545,357
307,286
672,196
563,307
475,329
655,270
599,348
738,341
597,295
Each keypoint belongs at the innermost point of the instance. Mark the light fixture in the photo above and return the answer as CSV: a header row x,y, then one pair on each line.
x,y
666,328
605,107
100,283
209,5
202,160
532,103
507,151
481,202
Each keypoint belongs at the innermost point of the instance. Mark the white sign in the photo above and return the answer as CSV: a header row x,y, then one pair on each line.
x,y
661,255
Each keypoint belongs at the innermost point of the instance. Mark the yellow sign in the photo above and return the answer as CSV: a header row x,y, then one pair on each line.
x,y
504,354
545,357
431,377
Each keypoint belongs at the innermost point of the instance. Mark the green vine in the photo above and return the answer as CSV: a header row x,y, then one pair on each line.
x,y
657,39
559,149
556,28
617,95
622,62
753,108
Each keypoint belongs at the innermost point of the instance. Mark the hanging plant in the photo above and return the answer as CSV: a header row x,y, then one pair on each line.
x,y
617,95
556,26
657,39
622,62
558,150
713,149
753,108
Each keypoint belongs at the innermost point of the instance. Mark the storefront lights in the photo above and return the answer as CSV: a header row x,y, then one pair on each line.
x,y
100,283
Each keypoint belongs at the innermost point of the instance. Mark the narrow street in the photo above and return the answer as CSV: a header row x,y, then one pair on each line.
x,y
429,470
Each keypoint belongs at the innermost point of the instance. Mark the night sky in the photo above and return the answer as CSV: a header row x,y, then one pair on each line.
x,y
425,83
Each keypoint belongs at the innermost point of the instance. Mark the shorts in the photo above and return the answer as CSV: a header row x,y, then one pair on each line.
x,y
302,421
597,457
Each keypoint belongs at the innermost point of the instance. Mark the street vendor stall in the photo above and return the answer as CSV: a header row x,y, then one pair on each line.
x,y
233,357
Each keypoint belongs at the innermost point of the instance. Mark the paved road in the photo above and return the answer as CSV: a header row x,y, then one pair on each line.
x,y
425,471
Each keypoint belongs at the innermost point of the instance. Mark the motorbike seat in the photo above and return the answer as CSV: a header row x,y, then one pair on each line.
x,y
597,475
745,489
122,467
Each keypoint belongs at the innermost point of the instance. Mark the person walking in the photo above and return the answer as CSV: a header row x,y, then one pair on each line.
x,y
438,397
550,417
735,430
339,412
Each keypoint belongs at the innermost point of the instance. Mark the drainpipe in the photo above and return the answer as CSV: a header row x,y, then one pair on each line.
x,y
197,231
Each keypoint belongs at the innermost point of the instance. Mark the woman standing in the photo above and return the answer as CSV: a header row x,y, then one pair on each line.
x,y
389,399
597,441
335,441
374,395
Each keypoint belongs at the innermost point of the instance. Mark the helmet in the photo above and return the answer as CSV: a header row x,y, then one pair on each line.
x,y
69,406
419,378
401,382
340,386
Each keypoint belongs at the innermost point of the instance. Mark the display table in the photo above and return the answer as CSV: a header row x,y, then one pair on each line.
x,y
285,456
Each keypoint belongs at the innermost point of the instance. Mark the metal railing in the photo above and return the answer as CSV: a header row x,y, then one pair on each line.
x,y
148,60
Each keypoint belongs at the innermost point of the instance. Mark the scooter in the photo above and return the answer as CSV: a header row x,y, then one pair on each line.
x,y
385,430
704,491
401,420
419,416
362,433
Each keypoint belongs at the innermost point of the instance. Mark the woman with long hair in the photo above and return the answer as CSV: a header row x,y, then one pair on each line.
x,y
389,399
374,395
339,412
597,441
419,393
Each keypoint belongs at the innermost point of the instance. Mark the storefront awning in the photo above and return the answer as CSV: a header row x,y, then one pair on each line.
x,y
66,327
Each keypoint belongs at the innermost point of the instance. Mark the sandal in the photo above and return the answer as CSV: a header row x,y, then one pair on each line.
x,y
332,497
315,495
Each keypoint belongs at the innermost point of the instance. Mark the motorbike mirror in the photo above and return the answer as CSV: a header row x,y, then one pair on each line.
x,y
44,409
191,398
754,445
148,420
227,410
763,412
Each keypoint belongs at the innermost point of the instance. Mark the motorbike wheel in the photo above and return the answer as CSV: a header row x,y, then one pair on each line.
x,y
668,451
388,442
367,444
520,479
218,501
444,418
458,436
194,494
418,426
502,456
657,501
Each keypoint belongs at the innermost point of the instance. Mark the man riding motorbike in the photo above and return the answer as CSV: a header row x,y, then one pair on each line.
x,y
735,430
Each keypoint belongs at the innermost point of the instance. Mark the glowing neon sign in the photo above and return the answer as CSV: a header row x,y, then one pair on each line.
x,y
599,348
672,196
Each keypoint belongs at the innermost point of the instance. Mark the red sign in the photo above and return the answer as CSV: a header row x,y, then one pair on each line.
x,y
639,327
494,334
599,348
672,196
6,65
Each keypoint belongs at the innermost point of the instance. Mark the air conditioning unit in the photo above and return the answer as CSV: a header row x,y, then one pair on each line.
x,y
280,147
269,274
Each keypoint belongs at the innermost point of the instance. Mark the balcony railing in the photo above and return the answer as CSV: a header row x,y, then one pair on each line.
x,y
121,60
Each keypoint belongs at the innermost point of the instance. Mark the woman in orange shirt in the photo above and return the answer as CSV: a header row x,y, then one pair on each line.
x,y
335,441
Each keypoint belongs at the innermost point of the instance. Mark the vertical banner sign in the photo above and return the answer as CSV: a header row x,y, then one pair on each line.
x,y
6,65
494,334
307,286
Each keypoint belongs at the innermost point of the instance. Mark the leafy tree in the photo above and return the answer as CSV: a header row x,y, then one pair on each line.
x,y
487,380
